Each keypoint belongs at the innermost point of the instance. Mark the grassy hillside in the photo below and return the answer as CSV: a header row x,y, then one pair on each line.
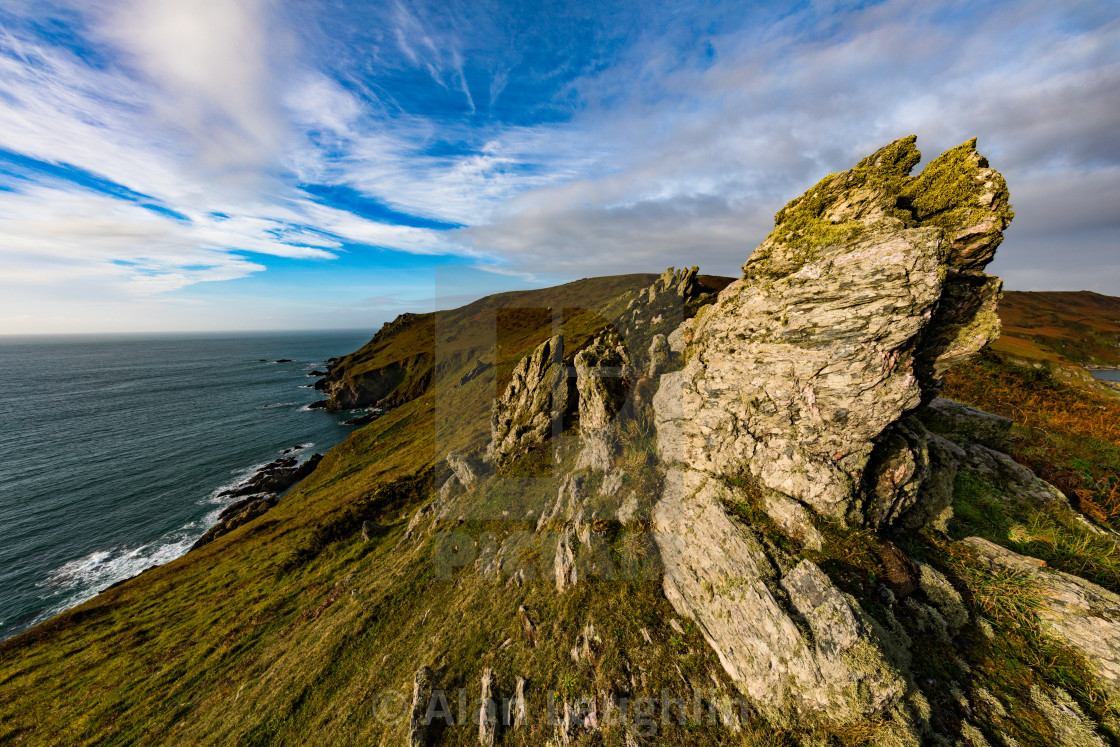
x,y
1061,327
296,629
308,624
399,363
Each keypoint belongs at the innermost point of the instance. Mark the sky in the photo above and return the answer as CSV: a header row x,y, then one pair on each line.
x,y
208,165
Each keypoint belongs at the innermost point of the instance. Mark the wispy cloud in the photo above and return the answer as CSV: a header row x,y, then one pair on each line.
x,y
153,145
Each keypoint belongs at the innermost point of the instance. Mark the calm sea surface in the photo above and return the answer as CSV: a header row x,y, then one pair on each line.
x,y
112,450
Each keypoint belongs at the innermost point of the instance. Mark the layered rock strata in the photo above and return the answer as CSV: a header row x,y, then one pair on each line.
x,y
802,372
803,379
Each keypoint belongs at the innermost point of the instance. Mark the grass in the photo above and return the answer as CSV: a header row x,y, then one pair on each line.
x,y
1069,436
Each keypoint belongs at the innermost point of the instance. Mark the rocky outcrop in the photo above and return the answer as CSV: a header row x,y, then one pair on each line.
x,y
275,477
421,697
869,287
1080,614
603,383
659,352
803,379
966,423
795,644
533,404
261,490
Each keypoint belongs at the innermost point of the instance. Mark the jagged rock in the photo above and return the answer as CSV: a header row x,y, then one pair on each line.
x,y
236,515
1013,477
658,355
1080,614
568,508
792,641
488,711
867,290
465,472
602,380
533,403
275,477
966,423
518,717
565,570
421,697
679,338
792,518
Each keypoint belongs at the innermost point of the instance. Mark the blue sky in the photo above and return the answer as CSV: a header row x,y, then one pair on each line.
x,y
283,164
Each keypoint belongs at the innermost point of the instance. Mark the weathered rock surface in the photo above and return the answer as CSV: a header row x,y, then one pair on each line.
x,y
1080,614
967,423
790,638
806,375
603,383
658,355
421,697
868,288
533,403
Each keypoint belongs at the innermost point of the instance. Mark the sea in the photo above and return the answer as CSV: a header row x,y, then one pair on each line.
x,y
113,449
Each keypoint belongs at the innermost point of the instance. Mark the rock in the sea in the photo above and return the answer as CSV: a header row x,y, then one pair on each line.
x,y
603,383
236,515
533,404
847,315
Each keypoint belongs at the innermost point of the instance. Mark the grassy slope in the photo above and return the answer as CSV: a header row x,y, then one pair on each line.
x,y
1061,327
287,630
400,366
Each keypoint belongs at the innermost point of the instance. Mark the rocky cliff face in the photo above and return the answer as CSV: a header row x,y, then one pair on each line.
x,y
803,371
802,380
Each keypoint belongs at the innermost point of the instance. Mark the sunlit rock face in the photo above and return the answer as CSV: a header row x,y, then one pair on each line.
x,y
799,393
869,288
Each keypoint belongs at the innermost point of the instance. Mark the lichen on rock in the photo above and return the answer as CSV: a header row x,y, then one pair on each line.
x,y
806,376
842,324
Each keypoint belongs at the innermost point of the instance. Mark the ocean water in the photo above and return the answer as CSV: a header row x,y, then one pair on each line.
x,y
114,449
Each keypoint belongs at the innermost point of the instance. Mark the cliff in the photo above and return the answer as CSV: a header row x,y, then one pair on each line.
x,y
657,509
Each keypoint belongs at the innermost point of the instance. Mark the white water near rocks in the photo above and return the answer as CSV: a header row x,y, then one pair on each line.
x,y
115,450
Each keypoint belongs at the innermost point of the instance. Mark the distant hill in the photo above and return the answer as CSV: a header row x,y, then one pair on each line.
x,y
1060,326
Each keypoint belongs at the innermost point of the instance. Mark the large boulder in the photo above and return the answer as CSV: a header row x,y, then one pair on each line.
x,y
847,315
